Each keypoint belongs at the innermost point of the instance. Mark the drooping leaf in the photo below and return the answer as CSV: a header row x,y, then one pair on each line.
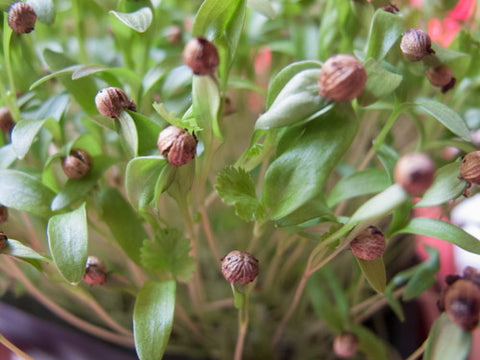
x,y
153,319
298,101
76,189
445,115
236,188
140,179
139,20
7,156
385,30
123,222
305,158
169,252
365,182
374,271
68,243
442,230
24,192
446,186
447,340
16,249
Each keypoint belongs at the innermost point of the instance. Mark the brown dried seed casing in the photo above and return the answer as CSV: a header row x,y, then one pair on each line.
x,y
470,167
239,266
415,172
416,44
112,100
369,244
201,56
3,240
21,17
462,303
78,164
345,345
177,144
95,271
342,78
6,120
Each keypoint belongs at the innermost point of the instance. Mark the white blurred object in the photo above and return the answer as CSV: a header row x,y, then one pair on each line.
x,y
467,215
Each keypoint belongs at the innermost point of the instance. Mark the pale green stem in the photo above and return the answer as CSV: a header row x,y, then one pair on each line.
x,y
14,349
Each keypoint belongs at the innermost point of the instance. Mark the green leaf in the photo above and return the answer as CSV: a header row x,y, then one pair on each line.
x,y
123,222
423,276
442,230
44,9
381,204
447,341
147,131
140,179
236,188
360,183
187,122
306,156
76,189
16,249
7,156
128,131
380,83
312,212
394,304
263,7
371,345
374,271
285,75
446,186
83,90
205,103
386,29
388,157
23,192
169,252
68,243
297,101
153,319
222,21
446,116
23,135
139,20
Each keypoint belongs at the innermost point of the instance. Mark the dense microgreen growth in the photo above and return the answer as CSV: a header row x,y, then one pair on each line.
x,y
279,171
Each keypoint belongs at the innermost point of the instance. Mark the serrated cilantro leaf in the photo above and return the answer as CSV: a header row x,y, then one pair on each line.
x,y
187,122
168,252
236,188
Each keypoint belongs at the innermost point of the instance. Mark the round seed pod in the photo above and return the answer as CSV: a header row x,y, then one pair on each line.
x,y
95,271
174,34
416,44
78,164
3,240
177,144
6,120
201,56
441,76
345,345
342,78
3,214
391,8
369,244
112,101
239,266
21,17
470,167
415,172
462,303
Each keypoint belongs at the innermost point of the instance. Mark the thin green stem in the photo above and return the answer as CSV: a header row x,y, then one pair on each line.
x,y
80,30
10,97
14,349
243,319
397,110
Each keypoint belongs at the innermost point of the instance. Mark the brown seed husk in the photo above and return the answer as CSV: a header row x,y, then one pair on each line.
x,y
369,244
3,214
21,17
6,120
201,56
177,144
416,44
462,303
345,345
3,240
95,271
78,164
342,78
470,167
239,266
112,101
415,172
